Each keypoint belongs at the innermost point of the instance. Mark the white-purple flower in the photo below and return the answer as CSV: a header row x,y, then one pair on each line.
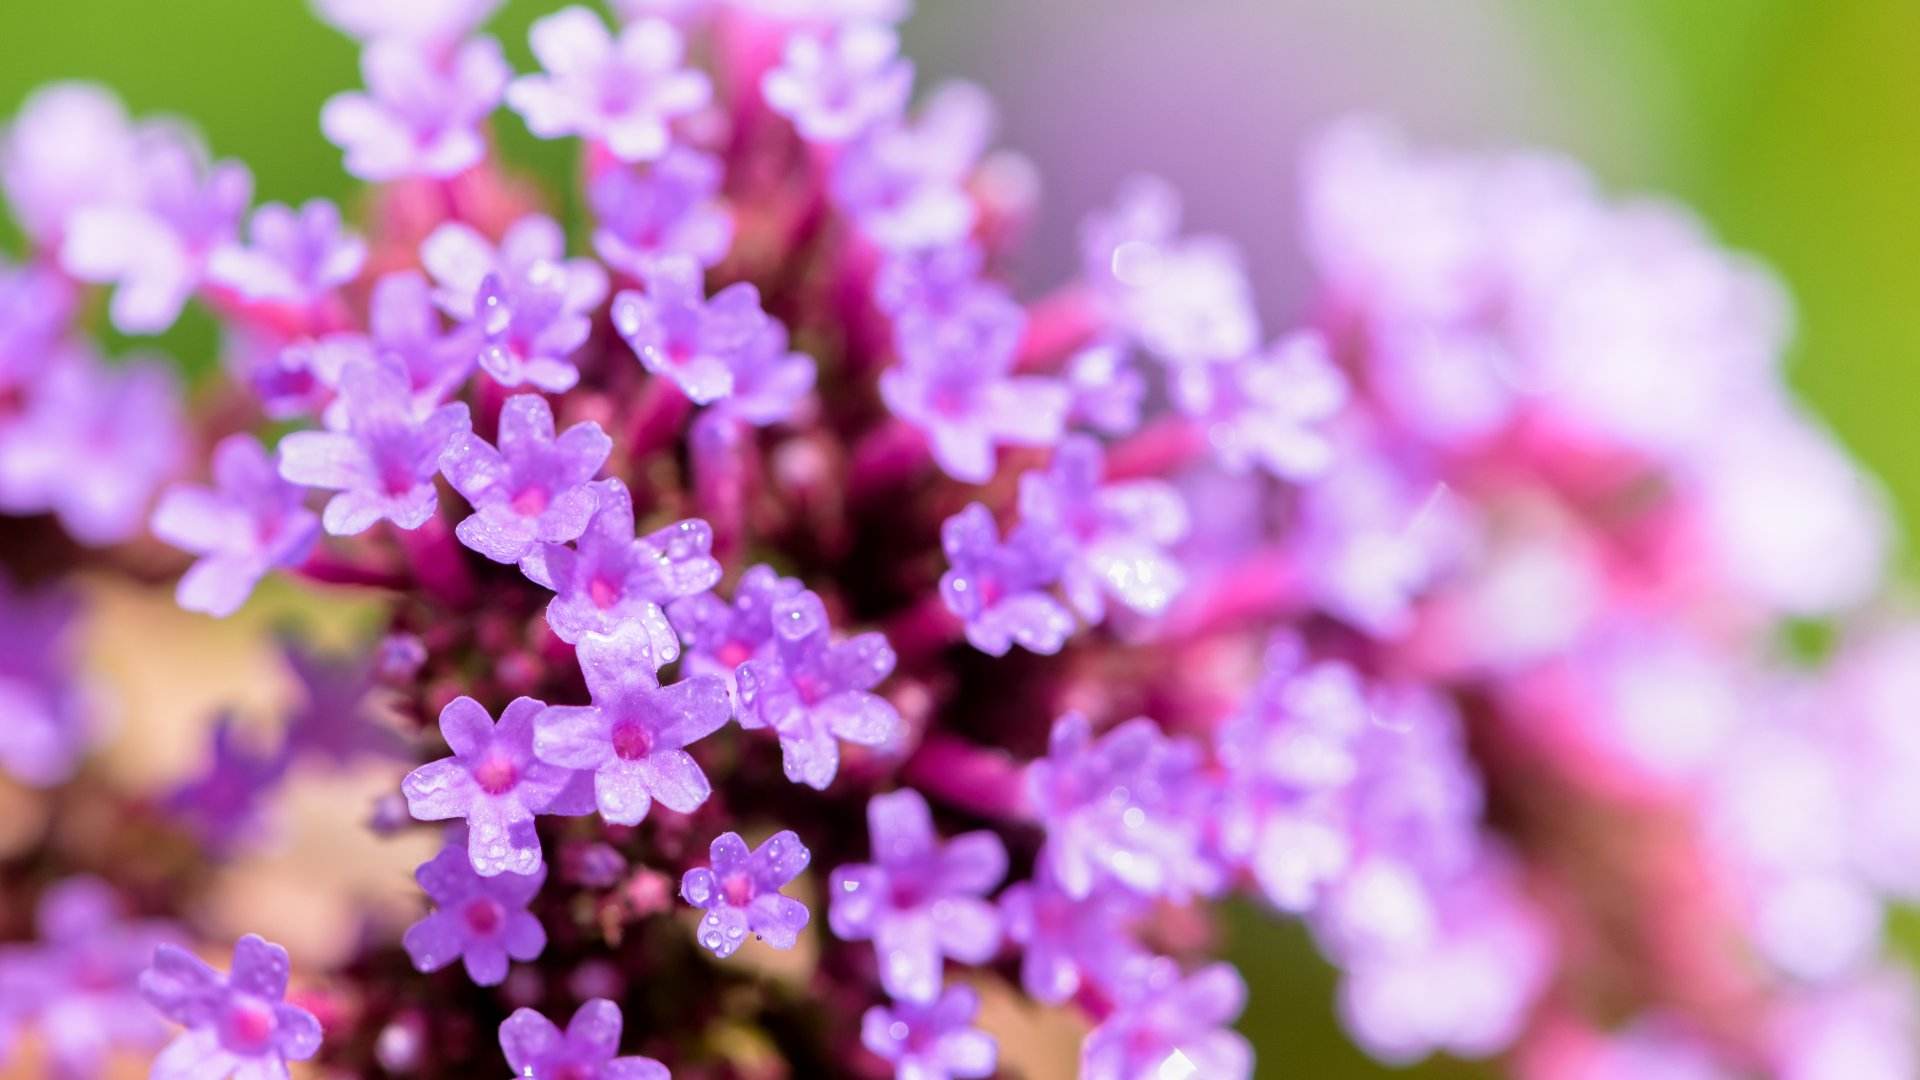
x,y
1172,1025
1068,942
610,576
405,331
588,1050
721,635
494,782
239,1024
622,92
534,489
1001,590
70,146
428,22
838,86
905,184
740,892
633,738
678,332
1267,410
671,207
384,463
292,256
935,1041
532,306
423,112
249,523
1115,537
1107,390
814,692
920,899
482,921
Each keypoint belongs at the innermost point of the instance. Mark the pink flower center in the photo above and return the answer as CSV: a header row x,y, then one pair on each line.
x,y
602,592
496,774
484,916
248,1026
733,653
531,501
632,741
811,688
738,889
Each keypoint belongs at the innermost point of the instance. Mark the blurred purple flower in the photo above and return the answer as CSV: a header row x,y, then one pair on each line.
x,y
1114,536
1173,1026
249,523
906,184
1268,410
223,806
384,463
670,208
632,739
424,111
494,781
920,899
1107,389
481,920
70,146
1069,942
1000,589
428,22
814,692
720,635
622,92
534,489
740,892
532,306
49,714
404,332
610,576
838,86
292,256
1125,807
237,1024
338,718
537,1050
934,1041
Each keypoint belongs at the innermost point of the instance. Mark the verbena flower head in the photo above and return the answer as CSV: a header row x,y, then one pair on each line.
x,y
814,692
936,1041
836,88
740,892
495,784
633,738
534,488
1173,1026
237,1024
669,208
292,256
920,899
589,1049
423,112
1001,589
527,301
250,523
620,91
384,463
1115,536
482,921
611,577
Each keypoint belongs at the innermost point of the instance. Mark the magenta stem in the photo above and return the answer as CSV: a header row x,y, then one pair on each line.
x,y
439,563
983,781
1058,326
329,570
1163,448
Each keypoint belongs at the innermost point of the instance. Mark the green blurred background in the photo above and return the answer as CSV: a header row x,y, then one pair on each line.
x,y
1789,124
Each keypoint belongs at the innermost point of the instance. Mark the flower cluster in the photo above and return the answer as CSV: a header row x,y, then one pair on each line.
x,y
1447,620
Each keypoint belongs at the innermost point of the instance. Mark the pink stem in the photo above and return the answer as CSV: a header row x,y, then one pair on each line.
x,y
1162,449
1058,326
329,570
978,779
657,418
439,564
923,630
885,460
1263,586
719,446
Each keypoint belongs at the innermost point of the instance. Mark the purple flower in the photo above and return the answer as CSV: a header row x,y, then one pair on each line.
x,y
423,111
384,463
405,332
1186,300
1125,807
622,92
610,576
71,146
633,737
836,88
425,21
1173,1026
934,1041
92,445
919,899
481,920
770,381
293,256
1067,942
537,1050
670,208
250,522
720,636
954,383
1267,410
239,1024
337,718
37,305
223,805
534,488
679,333
495,782
1000,589
1115,536
813,692
740,892
905,184
155,246
48,712
1107,390
78,984
532,305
